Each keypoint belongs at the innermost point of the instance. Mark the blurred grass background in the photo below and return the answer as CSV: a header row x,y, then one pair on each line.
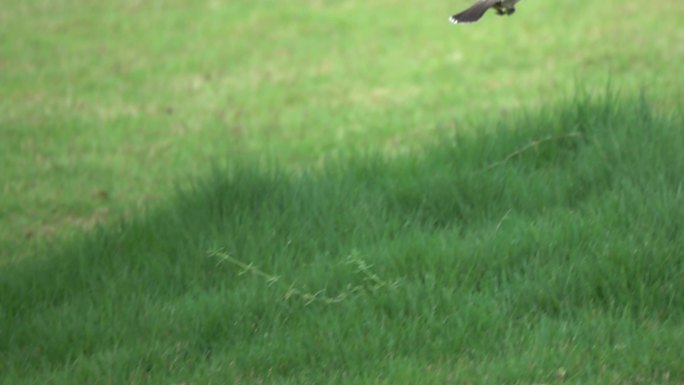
x,y
105,105
337,143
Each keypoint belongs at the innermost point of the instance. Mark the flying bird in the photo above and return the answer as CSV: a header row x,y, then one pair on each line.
x,y
475,12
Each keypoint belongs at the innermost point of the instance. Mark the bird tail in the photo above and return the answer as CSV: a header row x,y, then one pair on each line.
x,y
471,14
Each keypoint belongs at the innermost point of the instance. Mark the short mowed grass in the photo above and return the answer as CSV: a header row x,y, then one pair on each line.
x,y
344,192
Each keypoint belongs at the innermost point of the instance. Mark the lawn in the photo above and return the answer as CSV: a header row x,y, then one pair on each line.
x,y
340,192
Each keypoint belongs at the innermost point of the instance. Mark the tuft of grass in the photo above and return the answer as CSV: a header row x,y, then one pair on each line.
x,y
544,248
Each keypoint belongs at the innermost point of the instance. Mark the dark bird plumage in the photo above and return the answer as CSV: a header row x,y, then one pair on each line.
x,y
475,12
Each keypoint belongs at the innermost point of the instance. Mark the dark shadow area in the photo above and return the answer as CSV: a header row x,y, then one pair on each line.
x,y
571,210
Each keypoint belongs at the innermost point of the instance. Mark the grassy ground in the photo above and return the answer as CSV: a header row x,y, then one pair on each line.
x,y
105,105
530,247
546,250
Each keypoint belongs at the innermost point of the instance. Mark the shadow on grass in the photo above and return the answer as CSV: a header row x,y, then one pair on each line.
x,y
479,247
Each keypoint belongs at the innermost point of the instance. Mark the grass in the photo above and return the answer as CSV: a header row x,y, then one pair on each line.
x,y
105,106
340,192
484,259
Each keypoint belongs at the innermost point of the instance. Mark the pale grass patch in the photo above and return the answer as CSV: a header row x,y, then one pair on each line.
x,y
370,280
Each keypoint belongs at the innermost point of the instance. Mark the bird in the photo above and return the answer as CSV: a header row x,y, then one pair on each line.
x,y
475,12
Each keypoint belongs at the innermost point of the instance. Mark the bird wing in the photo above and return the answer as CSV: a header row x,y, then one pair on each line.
x,y
474,13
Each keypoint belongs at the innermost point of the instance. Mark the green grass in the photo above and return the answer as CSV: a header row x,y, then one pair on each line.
x,y
105,105
340,192
546,249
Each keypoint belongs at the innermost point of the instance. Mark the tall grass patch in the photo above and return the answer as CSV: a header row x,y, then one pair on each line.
x,y
543,248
